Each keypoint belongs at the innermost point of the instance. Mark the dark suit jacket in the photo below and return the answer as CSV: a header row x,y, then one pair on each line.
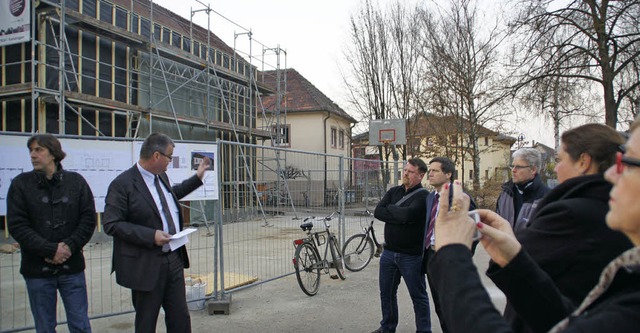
x,y
132,218
430,196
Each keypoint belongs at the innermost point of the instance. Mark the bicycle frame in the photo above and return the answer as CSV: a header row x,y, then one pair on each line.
x,y
317,239
308,262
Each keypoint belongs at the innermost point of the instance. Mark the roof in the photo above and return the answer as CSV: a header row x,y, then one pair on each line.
x,y
429,123
300,95
175,22
541,146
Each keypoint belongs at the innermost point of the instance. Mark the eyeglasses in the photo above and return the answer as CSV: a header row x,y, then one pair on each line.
x,y
167,156
622,161
518,167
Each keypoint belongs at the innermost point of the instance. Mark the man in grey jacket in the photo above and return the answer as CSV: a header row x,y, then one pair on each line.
x,y
520,195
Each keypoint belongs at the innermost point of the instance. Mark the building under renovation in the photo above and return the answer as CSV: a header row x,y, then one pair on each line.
x,y
126,68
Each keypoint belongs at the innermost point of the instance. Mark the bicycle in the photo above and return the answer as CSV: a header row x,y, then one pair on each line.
x,y
307,261
358,249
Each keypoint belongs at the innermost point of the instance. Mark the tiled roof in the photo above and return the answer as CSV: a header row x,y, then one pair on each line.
x,y
301,95
430,123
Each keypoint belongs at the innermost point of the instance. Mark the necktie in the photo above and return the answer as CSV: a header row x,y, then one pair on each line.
x,y
432,219
628,258
165,206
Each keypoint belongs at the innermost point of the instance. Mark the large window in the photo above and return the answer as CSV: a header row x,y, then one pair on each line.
x,y
341,139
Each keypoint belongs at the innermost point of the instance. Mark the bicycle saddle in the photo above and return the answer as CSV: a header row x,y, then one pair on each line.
x,y
306,226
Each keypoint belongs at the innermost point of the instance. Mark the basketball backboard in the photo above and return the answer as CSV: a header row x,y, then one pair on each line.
x,y
387,131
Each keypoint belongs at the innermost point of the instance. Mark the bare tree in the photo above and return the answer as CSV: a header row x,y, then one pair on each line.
x,y
557,98
403,74
591,40
383,63
462,70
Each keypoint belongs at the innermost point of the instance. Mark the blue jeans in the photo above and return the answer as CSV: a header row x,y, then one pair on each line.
x,y
393,267
43,297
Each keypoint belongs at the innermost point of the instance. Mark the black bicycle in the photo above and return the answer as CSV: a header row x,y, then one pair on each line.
x,y
307,260
359,248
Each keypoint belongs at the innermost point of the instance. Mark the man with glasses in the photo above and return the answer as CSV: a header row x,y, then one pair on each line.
x,y
141,213
519,195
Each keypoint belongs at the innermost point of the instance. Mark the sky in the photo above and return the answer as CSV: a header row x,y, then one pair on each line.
x,y
312,34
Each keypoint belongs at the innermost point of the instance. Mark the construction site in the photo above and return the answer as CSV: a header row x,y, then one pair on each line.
x,y
101,73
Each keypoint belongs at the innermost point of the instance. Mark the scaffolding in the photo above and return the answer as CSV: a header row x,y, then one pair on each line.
x,y
126,68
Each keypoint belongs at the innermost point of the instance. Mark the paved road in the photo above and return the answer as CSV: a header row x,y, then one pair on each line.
x,y
351,305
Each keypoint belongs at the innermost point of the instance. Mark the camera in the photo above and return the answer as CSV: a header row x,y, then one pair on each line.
x,y
476,218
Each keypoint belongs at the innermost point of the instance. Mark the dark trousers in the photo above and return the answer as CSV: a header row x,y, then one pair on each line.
x,y
434,293
394,267
169,293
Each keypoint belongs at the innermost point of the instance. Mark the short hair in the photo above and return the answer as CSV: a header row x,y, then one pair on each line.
x,y
50,142
418,162
446,164
601,142
155,142
532,156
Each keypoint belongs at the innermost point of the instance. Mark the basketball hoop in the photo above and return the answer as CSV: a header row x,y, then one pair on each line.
x,y
387,132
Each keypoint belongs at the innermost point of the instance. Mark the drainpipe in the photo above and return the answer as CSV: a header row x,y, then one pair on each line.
x,y
324,135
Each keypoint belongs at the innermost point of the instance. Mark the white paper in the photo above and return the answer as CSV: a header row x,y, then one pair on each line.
x,y
181,238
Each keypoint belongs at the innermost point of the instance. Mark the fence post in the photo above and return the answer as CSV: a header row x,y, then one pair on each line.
x,y
341,200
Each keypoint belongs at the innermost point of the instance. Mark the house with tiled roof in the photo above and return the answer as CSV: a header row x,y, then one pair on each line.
x,y
434,135
308,121
311,121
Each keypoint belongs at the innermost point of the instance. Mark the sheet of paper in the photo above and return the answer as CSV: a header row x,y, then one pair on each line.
x,y
180,238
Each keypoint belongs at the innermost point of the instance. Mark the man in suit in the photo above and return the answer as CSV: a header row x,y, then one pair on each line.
x,y
141,212
441,171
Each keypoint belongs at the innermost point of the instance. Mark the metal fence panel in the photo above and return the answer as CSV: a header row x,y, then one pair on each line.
x,y
265,195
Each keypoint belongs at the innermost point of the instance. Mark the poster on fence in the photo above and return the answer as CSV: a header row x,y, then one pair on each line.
x,y
101,161
15,21
186,158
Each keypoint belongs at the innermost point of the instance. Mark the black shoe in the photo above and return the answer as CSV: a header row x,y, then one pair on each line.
x,y
381,330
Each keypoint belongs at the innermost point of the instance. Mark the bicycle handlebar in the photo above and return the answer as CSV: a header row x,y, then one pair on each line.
x,y
323,219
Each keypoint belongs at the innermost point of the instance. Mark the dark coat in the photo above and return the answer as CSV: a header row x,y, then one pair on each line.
x,y
404,227
531,195
42,213
467,306
569,239
132,218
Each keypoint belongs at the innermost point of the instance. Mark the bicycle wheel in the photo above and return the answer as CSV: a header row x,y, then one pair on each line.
x,y
307,269
336,254
357,251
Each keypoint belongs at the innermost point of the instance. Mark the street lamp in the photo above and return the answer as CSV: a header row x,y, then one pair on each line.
x,y
520,140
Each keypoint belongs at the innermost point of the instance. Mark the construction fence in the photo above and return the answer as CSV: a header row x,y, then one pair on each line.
x,y
243,239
